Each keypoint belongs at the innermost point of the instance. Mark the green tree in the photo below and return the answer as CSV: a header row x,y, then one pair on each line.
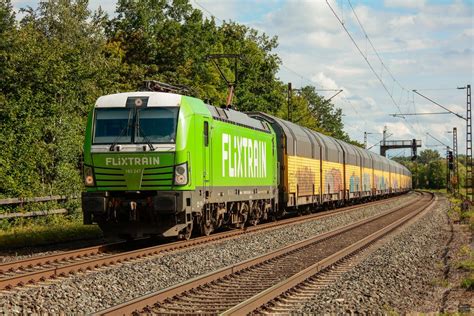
x,y
169,41
57,70
435,174
258,87
60,57
428,171
165,41
311,110
428,155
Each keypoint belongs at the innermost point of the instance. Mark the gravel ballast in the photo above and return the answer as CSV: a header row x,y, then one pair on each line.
x,y
98,290
402,276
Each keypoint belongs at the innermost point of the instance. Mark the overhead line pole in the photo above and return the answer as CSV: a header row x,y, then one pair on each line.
x,y
468,119
456,160
290,95
469,189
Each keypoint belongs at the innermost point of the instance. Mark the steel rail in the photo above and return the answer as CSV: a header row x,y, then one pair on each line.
x,y
143,302
55,258
253,303
62,265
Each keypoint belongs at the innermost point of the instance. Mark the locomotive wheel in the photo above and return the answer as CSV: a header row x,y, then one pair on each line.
x,y
187,232
206,228
206,223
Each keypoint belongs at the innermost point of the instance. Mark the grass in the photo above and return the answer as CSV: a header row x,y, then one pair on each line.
x,y
46,230
465,216
467,265
440,283
442,191
468,283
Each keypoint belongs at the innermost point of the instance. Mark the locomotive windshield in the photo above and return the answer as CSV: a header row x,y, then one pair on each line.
x,y
113,125
156,125
130,126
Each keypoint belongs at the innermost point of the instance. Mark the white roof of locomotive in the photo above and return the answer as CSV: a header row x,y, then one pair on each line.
x,y
155,99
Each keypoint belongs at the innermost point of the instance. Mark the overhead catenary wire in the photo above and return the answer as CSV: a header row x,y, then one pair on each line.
x,y
317,85
436,89
364,56
209,12
384,67
441,106
437,140
379,142
373,47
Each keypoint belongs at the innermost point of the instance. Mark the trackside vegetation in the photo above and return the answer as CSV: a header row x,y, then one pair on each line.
x,y
463,214
429,170
58,57
44,231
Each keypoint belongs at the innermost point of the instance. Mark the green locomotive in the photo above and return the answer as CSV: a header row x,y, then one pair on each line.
x,y
160,163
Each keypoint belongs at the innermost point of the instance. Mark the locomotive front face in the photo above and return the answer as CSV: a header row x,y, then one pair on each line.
x,y
136,166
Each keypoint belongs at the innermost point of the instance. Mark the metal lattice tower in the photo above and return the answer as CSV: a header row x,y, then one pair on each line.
x,y
448,172
455,155
469,190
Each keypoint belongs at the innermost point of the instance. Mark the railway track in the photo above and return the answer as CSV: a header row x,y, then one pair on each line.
x,y
245,287
42,268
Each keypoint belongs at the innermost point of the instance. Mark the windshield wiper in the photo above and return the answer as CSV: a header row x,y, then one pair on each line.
x,y
122,132
147,140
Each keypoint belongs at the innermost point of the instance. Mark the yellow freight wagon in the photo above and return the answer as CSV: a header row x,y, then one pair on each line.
x,y
318,170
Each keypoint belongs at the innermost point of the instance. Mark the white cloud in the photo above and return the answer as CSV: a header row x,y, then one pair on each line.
x,y
345,71
425,45
468,32
405,3
403,21
325,81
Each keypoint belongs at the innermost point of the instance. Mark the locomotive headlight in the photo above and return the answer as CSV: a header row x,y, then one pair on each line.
x,y
181,174
88,176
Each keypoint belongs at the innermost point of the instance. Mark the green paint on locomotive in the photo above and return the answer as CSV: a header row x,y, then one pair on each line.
x,y
229,156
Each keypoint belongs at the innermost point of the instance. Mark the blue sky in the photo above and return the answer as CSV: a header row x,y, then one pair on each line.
x,y
425,44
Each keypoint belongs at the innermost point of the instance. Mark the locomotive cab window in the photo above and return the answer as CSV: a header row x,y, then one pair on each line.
x,y
126,125
156,125
113,125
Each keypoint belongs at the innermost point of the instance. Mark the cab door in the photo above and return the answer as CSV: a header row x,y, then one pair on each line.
x,y
207,165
